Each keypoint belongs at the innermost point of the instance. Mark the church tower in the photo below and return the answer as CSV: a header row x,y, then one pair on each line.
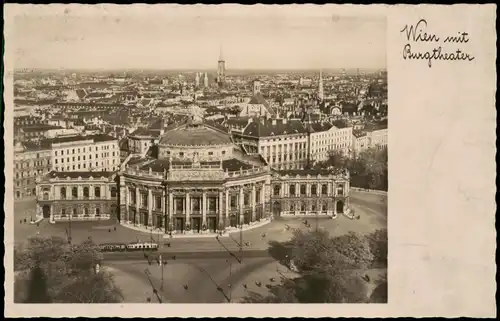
x,y
320,86
205,80
221,69
197,80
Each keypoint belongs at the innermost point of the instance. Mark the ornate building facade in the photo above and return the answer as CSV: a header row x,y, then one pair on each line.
x,y
202,182
77,196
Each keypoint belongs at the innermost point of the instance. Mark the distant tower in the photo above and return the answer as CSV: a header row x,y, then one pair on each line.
x,y
197,80
256,86
205,80
320,87
221,69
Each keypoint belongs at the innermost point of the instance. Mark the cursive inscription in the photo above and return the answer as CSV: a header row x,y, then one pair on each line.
x,y
418,33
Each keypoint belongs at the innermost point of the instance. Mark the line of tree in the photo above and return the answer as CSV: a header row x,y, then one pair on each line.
x,y
51,270
368,169
329,269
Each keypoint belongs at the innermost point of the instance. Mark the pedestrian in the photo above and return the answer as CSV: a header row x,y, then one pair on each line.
x,y
21,221
25,220
37,224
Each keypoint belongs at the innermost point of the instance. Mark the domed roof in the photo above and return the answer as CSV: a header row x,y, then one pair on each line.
x,y
195,135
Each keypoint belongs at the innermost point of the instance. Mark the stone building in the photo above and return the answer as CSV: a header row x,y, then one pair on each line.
x,y
77,196
202,182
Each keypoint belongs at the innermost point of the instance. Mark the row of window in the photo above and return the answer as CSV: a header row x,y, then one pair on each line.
x,y
285,158
77,158
86,192
303,190
86,212
84,166
302,207
285,147
84,150
179,202
31,164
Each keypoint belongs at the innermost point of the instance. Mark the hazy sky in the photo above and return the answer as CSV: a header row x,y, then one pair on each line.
x,y
153,43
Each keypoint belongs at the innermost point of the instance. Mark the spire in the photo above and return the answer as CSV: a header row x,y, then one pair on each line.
x,y
221,57
320,86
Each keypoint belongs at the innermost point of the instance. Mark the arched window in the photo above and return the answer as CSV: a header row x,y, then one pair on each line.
x,y
74,212
325,207
86,211
97,212
63,193
86,192
302,206
74,192
303,189
18,194
314,189
277,190
113,191
324,189
292,189
63,212
97,192
45,196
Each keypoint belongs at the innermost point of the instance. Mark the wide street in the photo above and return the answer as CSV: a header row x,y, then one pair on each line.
x,y
202,264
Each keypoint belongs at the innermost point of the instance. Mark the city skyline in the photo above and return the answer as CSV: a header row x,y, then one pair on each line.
x,y
133,43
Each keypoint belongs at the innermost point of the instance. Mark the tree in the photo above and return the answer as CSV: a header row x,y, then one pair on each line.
x,y
69,270
379,294
37,287
378,241
326,266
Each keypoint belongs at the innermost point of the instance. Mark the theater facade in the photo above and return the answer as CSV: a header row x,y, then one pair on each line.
x,y
201,182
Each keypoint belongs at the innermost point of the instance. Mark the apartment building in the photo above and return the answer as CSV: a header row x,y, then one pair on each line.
x,y
85,153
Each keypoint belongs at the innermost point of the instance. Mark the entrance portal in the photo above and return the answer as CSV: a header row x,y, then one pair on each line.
x,y
277,209
179,224
232,221
46,211
212,224
340,207
196,224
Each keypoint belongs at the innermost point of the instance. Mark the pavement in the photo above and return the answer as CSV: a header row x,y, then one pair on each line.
x,y
192,281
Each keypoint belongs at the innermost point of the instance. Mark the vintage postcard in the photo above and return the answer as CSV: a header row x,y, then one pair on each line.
x,y
237,155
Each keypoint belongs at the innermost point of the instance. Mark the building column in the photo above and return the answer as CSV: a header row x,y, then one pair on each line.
x,y
127,204
227,208
282,192
297,189
220,209
241,204
204,207
164,210
187,208
170,208
137,202
253,202
92,192
318,189
329,188
150,207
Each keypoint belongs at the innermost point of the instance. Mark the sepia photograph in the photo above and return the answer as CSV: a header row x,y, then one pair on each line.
x,y
216,159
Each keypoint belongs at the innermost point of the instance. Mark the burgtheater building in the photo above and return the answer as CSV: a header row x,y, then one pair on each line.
x,y
202,182
199,181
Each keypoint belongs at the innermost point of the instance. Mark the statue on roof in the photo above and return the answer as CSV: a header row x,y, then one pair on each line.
x,y
197,114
